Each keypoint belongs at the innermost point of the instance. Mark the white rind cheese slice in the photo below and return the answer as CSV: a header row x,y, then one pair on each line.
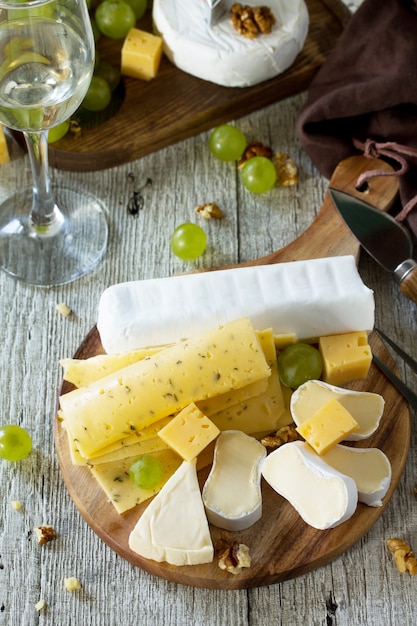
x,y
308,298
232,492
220,54
322,496
174,526
365,407
369,468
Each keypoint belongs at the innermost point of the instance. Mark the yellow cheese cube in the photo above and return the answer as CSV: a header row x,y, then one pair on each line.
x,y
189,432
346,357
4,150
141,54
328,426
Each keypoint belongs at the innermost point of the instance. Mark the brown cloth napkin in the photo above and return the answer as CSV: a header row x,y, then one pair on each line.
x,y
367,90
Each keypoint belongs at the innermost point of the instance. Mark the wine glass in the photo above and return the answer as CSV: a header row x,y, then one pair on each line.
x,y
46,63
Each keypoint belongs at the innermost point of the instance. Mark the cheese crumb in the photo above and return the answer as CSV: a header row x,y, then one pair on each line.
x,y
17,505
72,583
63,309
40,605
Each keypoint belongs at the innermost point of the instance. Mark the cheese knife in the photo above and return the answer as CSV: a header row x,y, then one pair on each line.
x,y
382,237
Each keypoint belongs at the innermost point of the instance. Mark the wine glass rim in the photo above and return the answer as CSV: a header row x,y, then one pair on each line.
x,y
22,4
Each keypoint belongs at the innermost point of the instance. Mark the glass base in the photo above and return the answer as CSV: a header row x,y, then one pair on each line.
x,y
61,255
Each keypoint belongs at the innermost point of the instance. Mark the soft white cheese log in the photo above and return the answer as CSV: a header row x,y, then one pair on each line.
x,y
219,53
369,468
174,526
309,298
322,496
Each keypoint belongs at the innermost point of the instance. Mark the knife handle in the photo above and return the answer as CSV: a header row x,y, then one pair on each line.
x,y
408,283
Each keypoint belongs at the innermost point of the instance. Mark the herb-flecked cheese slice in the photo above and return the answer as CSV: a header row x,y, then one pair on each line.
x,y
228,357
121,491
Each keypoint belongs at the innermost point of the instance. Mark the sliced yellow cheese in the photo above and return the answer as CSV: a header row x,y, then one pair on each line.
x,y
121,491
283,340
265,412
213,405
81,372
346,357
328,426
140,394
189,432
4,150
141,54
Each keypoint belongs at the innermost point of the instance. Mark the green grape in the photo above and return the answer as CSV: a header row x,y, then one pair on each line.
x,y
227,143
114,18
109,72
146,472
57,132
98,96
258,174
298,363
15,442
139,7
188,241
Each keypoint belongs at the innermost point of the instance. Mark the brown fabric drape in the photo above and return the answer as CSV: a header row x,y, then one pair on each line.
x,y
367,89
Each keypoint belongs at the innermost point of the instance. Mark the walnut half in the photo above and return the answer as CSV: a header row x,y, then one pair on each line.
x,y
235,558
404,557
252,21
45,534
209,210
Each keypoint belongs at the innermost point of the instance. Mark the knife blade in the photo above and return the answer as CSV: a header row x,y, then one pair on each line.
x,y
384,239
214,9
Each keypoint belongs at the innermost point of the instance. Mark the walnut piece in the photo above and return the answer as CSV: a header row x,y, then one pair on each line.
x,y
45,534
235,558
404,557
253,149
283,435
252,21
209,210
286,169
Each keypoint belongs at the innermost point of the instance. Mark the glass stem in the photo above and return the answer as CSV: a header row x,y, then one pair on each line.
x,y
44,214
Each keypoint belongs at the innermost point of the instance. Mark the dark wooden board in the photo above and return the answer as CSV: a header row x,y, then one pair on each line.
x,y
174,105
282,546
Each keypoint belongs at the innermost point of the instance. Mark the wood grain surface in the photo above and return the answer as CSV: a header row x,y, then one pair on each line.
x,y
175,105
282,546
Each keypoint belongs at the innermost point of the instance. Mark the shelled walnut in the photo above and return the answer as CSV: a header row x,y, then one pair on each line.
x,y
235,558
252,21
283,435
209,210
45,534
254,149
404,557
286,169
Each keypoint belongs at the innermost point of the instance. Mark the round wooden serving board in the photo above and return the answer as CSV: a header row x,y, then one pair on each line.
x,y
281,544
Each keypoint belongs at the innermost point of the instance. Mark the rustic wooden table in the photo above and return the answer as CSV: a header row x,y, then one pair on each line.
x,y
361,587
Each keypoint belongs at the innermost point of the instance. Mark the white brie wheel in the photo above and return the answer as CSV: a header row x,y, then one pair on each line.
x,y
218,53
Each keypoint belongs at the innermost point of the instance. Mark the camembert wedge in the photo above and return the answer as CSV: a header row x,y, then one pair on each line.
x,y
174,526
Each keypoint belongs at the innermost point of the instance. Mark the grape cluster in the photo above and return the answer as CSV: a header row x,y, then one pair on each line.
x,y
113,19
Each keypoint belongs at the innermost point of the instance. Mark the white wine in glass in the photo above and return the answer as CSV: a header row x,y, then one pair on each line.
x,y
47,237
